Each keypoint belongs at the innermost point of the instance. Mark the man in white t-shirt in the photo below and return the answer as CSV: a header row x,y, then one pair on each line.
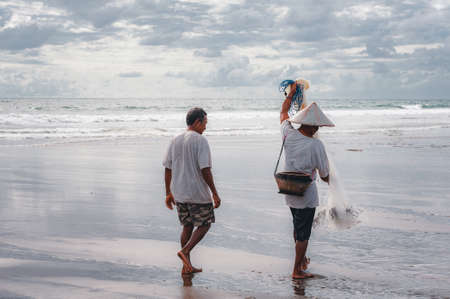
x,y
188,181
305,154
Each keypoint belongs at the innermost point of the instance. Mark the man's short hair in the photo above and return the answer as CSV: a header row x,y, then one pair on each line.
x,y
194,114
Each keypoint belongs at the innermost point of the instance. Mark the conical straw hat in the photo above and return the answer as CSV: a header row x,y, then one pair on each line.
x,y
313,116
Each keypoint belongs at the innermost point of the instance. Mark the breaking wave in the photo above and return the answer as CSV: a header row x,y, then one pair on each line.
x,y
110,118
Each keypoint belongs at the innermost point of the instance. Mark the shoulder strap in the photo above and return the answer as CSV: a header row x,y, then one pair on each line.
x,y
281,151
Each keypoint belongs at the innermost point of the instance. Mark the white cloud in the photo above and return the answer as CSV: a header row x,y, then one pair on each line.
x,y
131,75
409,49
218,48
440,4
365,11
26,81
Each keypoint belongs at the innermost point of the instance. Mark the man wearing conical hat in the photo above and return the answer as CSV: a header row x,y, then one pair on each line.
x,y
304,154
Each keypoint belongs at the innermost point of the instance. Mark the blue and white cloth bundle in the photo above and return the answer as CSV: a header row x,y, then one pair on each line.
x,y
299,98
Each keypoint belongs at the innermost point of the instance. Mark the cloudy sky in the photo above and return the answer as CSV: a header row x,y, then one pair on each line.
x,y
234,48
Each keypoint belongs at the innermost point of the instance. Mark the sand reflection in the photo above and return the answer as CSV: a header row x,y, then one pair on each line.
x,y
187,279
299,287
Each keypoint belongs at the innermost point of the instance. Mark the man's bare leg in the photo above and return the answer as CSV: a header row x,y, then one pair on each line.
x,y
196,237
185,236
305,262
300,250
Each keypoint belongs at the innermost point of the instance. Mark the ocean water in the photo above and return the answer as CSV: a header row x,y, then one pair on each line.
x,y
46,121
81,198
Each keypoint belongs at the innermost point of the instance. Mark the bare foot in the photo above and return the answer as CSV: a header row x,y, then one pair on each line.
x,y
301,275
304,264
194,270
186,262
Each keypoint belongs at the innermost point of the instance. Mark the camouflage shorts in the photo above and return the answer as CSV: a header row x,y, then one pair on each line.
x,y
196,214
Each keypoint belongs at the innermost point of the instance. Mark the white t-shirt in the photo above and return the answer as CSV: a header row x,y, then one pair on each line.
x,y
187,154
303,154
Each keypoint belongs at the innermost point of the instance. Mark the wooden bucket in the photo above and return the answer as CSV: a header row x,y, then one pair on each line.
x,y
289,182
294,183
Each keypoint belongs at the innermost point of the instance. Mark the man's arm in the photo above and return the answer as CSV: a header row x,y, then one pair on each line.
x,y
287,103
326,179
170,201
208,177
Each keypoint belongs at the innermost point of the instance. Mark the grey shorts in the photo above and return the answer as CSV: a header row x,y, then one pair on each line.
x,y
196,214
303,220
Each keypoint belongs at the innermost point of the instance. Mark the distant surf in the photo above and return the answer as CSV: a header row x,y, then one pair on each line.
x,y
31,121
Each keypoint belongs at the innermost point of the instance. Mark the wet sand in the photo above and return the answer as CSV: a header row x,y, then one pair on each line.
x,y
88,220
104,267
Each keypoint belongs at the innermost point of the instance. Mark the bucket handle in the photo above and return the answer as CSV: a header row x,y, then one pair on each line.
x,y
279,157
281,151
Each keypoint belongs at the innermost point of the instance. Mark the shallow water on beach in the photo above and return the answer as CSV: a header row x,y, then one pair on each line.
x,y
88,219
